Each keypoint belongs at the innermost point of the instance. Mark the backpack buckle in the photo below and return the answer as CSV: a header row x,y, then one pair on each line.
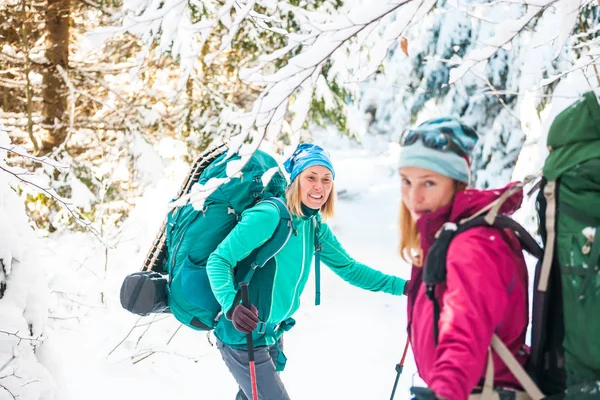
x,y
261,328
267,329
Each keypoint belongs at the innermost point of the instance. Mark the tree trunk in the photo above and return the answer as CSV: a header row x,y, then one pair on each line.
x,y
27,69
55,88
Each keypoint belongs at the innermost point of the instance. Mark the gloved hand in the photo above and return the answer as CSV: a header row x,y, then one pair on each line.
x,y
420,393
405,291
245,320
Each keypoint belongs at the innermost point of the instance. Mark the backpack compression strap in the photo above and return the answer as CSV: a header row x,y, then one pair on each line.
x,y
434,272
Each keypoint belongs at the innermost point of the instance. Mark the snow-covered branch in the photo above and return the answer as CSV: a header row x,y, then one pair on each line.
x,y
505,33
594,60
22,175
7,363
18,150
21,338
508,30
301,73
8,390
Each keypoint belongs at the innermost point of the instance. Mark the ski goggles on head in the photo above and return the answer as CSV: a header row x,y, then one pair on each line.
x,y
435,140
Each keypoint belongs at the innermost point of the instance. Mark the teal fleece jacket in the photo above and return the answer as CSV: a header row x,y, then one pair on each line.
x,y
276,288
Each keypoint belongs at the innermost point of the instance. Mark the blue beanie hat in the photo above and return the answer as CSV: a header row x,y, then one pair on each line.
x,y
447,163
307,155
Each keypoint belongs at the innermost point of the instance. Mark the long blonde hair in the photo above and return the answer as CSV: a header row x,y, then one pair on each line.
x,y
410,240
293,197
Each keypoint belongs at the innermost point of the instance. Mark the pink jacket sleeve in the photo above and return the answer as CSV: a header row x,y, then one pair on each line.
x,y
479,266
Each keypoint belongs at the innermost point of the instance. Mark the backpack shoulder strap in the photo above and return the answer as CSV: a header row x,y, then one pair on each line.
x,y
527,241
435,267
280,237
271,247
434,272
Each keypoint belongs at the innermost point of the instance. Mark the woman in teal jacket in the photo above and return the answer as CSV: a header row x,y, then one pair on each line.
x,y
276,288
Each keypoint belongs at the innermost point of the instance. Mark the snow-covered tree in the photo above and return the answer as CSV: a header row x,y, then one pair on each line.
x,y
472,59
24,298
196,71
493,65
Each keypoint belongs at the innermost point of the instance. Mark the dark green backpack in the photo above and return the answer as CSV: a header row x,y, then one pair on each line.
x,y
174,276
566,304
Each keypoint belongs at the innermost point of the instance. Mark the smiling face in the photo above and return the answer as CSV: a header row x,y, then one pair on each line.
x,y
424,191
315,186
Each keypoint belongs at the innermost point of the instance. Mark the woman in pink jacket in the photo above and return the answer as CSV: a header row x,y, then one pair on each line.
x,y
485,290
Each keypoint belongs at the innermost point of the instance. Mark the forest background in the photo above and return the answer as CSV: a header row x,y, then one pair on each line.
x,y
100,98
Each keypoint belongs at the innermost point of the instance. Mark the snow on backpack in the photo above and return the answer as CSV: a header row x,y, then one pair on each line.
x,y
565,334
173,278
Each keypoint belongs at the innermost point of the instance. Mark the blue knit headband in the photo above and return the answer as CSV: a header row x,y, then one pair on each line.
x,y
307,155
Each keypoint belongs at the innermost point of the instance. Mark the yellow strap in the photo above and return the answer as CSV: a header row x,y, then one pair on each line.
x,y
550,195
491,216
517,370
488,392
494,207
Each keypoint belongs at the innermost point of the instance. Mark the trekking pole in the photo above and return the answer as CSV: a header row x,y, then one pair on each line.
x,y
246,303
399,368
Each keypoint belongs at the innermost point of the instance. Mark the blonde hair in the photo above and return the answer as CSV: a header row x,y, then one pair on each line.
x,y
410,240
293,197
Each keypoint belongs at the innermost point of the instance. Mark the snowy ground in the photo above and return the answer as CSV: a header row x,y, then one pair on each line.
x,y
344,349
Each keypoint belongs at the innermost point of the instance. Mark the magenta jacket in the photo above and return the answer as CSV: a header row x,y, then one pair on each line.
x,y
485,293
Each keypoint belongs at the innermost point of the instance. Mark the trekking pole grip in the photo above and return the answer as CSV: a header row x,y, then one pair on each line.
x,y
250,344
246,303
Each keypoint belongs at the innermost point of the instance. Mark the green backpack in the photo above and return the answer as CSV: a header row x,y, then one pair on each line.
x,y
566,305
174,277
